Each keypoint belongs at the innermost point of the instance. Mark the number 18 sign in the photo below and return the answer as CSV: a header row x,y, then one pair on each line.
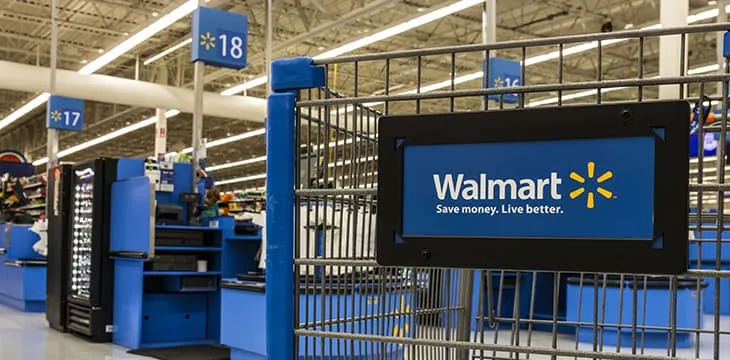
x,y
219,38
65,113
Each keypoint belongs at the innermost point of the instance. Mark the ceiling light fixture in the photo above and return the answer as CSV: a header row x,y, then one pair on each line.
x,y
241,179
541,102
436,86
370,39
107,137
168,51
236,163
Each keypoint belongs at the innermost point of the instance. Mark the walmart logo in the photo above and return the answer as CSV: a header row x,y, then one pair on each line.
x,y
56,115
590,198
207,41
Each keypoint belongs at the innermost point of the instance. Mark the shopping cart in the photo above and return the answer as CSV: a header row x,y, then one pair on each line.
x,y
337,303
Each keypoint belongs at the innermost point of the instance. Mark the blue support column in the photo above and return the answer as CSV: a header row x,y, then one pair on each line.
x,y
280,230
287,75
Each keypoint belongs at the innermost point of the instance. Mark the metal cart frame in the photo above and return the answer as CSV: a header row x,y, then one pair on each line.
x,y
327,297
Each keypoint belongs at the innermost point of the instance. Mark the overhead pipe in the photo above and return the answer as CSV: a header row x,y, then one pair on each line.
x,y
109,89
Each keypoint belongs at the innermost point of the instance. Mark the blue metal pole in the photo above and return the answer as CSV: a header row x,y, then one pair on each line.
x,y
280,160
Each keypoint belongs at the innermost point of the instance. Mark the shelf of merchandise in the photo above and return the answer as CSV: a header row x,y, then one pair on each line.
x,y
35,192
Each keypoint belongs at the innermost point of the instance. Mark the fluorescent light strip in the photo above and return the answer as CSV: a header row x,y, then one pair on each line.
x,y
241,179
553,100
263,158
473,76
111,55
260,188
439,13
263,176
400,28
572,96
107,137
227,140
577,49
245,86
223,141
168,51
348,177
140,37
379,36
236,163
23,110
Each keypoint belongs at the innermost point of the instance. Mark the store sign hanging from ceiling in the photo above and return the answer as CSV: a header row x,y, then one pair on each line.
x,y
537,189
64,113
502,73
220,38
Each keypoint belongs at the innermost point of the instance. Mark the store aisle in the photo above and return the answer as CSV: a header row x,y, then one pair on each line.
x,y
26,336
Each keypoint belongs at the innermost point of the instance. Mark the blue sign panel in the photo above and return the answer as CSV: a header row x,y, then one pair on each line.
x,y
503,73
220,38
65,113
546,189
557,189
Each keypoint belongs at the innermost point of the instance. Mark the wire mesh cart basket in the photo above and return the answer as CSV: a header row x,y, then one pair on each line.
x,y
327,295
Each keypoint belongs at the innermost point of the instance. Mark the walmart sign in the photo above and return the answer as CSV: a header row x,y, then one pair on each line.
x,y
587,188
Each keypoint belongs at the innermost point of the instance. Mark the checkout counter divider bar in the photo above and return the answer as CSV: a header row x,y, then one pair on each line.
x,y
22,270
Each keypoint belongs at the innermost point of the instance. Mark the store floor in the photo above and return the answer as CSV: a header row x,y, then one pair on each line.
x,y
26,336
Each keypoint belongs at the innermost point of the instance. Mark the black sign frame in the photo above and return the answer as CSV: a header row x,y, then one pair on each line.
x,y
671,188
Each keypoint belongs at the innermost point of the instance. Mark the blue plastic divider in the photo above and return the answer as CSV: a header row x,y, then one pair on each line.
x,y
708,294
653,309
287,76
20,243
280,232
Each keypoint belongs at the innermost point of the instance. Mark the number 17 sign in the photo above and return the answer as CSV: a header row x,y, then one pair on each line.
x,y
219,38
65,113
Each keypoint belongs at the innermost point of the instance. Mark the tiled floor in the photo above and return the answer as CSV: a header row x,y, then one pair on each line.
x,y
27,337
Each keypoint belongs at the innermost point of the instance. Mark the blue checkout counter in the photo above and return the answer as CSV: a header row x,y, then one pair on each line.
x,y
156,308
652,309
702,255
159,299
243,326
243,305
506,285
22,270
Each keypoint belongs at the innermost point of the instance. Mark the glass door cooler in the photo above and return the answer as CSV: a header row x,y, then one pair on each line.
x,y
90,282
57,199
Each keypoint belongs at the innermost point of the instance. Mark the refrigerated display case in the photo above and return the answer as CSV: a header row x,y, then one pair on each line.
x,y
58,198
90,284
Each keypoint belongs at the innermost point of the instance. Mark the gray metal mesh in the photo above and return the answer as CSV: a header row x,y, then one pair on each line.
x,y
355,309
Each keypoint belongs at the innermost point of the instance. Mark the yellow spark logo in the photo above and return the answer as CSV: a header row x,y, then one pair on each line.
x,y
498,82
590,201
207,41
56,115
405,310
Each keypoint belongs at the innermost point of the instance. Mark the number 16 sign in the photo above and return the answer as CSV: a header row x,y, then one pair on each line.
x,y
65,113
219,38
